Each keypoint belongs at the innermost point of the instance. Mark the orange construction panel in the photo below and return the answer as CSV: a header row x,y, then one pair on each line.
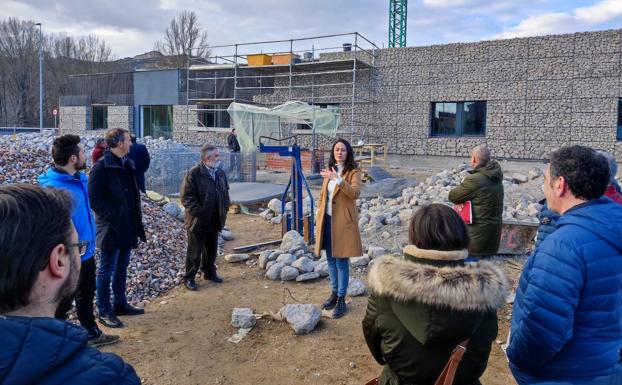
x,y
259,59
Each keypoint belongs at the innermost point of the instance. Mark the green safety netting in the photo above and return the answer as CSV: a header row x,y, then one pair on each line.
x,y
252,122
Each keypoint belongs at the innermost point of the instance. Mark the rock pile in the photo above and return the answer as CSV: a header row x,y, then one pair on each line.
x,y
274,211
155,266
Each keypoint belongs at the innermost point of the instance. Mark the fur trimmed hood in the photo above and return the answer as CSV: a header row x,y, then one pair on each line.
x,y
477,286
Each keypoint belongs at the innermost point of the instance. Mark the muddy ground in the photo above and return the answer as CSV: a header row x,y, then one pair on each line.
x,y
182,338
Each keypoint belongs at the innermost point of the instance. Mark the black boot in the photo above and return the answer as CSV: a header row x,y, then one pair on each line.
x,y
330,302
340,308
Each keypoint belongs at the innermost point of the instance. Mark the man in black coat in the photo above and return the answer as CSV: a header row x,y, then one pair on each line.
x,y
115,199
235,166
40,267
140,155
205,196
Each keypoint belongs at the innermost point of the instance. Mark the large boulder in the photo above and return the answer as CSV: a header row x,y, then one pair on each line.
x,y
289,273
321,268
303,318
274,271
275,206
304,264
172,209
307,277
359,261
286,258
243,318
292,242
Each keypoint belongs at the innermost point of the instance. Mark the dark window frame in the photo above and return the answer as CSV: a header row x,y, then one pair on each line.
x,y
218,115
104,118
459,127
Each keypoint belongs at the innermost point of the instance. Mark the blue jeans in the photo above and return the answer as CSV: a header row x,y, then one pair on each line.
x,y
112,267
338,268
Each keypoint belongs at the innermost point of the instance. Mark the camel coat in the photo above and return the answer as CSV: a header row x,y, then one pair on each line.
x,y
345,223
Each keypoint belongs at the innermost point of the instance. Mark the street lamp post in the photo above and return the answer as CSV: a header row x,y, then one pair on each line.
x,y
40,77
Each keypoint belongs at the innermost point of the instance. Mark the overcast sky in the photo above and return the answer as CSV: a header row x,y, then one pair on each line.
x,y
132,27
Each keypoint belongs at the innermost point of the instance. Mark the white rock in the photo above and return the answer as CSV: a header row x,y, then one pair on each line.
x,y
376,251
276,220
356,287
359,261
292,242
232,258
275,206
304,264
286,258
303,318
307,277
322,269
289,273
243,318
274,271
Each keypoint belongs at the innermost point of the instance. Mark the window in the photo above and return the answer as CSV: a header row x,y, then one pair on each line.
x,y
458,119
158,121
215,116
99,118
619,134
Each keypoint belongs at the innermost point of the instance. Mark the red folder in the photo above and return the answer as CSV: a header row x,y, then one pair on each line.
x,y
465,211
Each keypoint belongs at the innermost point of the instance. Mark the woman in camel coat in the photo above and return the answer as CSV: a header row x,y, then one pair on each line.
x,y
337,221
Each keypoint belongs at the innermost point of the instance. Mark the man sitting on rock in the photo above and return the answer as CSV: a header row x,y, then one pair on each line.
x,y
484,188
39,268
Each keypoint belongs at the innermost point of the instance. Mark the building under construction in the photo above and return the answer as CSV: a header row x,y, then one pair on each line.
x,y
522,97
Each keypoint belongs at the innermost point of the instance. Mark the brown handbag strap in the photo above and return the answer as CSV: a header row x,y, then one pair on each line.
x,y
449,371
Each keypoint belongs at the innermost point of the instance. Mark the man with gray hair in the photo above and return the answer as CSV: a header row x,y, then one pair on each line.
x,y
205,196
484,188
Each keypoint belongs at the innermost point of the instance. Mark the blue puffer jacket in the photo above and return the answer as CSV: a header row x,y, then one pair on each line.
x,y
46,351
548,222
82,216
567,321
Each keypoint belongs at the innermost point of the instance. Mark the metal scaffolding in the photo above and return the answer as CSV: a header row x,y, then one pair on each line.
x,y
316,70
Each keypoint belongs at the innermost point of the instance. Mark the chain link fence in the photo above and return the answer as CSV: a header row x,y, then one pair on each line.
x,y
169,167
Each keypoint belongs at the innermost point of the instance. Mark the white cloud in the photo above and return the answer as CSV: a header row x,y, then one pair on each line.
x,y
578,19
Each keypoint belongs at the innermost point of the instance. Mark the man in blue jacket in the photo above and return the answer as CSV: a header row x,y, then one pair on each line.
x,y
40,267
567,321
140,155
66,173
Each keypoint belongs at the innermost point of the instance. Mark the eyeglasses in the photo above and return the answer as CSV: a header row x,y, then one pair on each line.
x,y
81,245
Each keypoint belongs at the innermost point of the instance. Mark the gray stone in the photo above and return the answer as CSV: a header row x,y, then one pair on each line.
x,y
227,235
266,214
243,318
307,277
172,208
299,253
359,261
519,178
322,269
289,273
304,264
276,220
274,271
303,318
292,242
356,287
232,258
286,259
269,264
406,215
275,206
391,187
376,251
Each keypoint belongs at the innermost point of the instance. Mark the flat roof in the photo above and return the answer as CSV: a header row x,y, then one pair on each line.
x,y
325,65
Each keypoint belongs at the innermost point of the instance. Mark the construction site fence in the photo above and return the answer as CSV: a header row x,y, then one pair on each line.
x,y
26,130
168,169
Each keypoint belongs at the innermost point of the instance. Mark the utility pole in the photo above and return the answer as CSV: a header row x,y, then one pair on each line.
x,y
40,76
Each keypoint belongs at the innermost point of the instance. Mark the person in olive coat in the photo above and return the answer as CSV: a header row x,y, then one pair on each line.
x,y
484,188
421,307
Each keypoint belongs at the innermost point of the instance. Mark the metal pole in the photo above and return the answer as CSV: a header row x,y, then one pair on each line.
x,y
353,86
291,59
235,74
40,76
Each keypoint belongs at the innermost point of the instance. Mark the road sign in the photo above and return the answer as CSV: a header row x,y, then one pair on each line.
x,y
55,112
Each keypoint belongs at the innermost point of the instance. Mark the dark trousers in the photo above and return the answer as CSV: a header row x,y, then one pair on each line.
x,y
85,293
201,254
113,265
140,180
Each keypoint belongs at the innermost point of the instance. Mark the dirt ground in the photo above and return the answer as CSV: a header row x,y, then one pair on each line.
x,y
182,338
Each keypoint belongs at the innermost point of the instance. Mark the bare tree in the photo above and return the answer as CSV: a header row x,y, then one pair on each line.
x,y
183,38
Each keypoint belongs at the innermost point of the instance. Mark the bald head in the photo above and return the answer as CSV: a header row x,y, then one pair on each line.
x,y
481,155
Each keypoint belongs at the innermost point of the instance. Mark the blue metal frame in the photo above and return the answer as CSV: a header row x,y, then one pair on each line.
x,y
297,180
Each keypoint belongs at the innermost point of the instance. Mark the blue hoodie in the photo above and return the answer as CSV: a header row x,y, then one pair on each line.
x,y
82,216
47,351
567,316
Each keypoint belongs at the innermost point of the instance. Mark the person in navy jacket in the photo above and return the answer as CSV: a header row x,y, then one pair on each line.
x,y
140,155
66,173
39,268
567,316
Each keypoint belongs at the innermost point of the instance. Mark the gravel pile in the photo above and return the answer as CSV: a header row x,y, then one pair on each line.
x,y
157,265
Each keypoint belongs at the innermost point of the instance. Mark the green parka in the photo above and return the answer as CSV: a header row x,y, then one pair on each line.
x,y
422,306
484,188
